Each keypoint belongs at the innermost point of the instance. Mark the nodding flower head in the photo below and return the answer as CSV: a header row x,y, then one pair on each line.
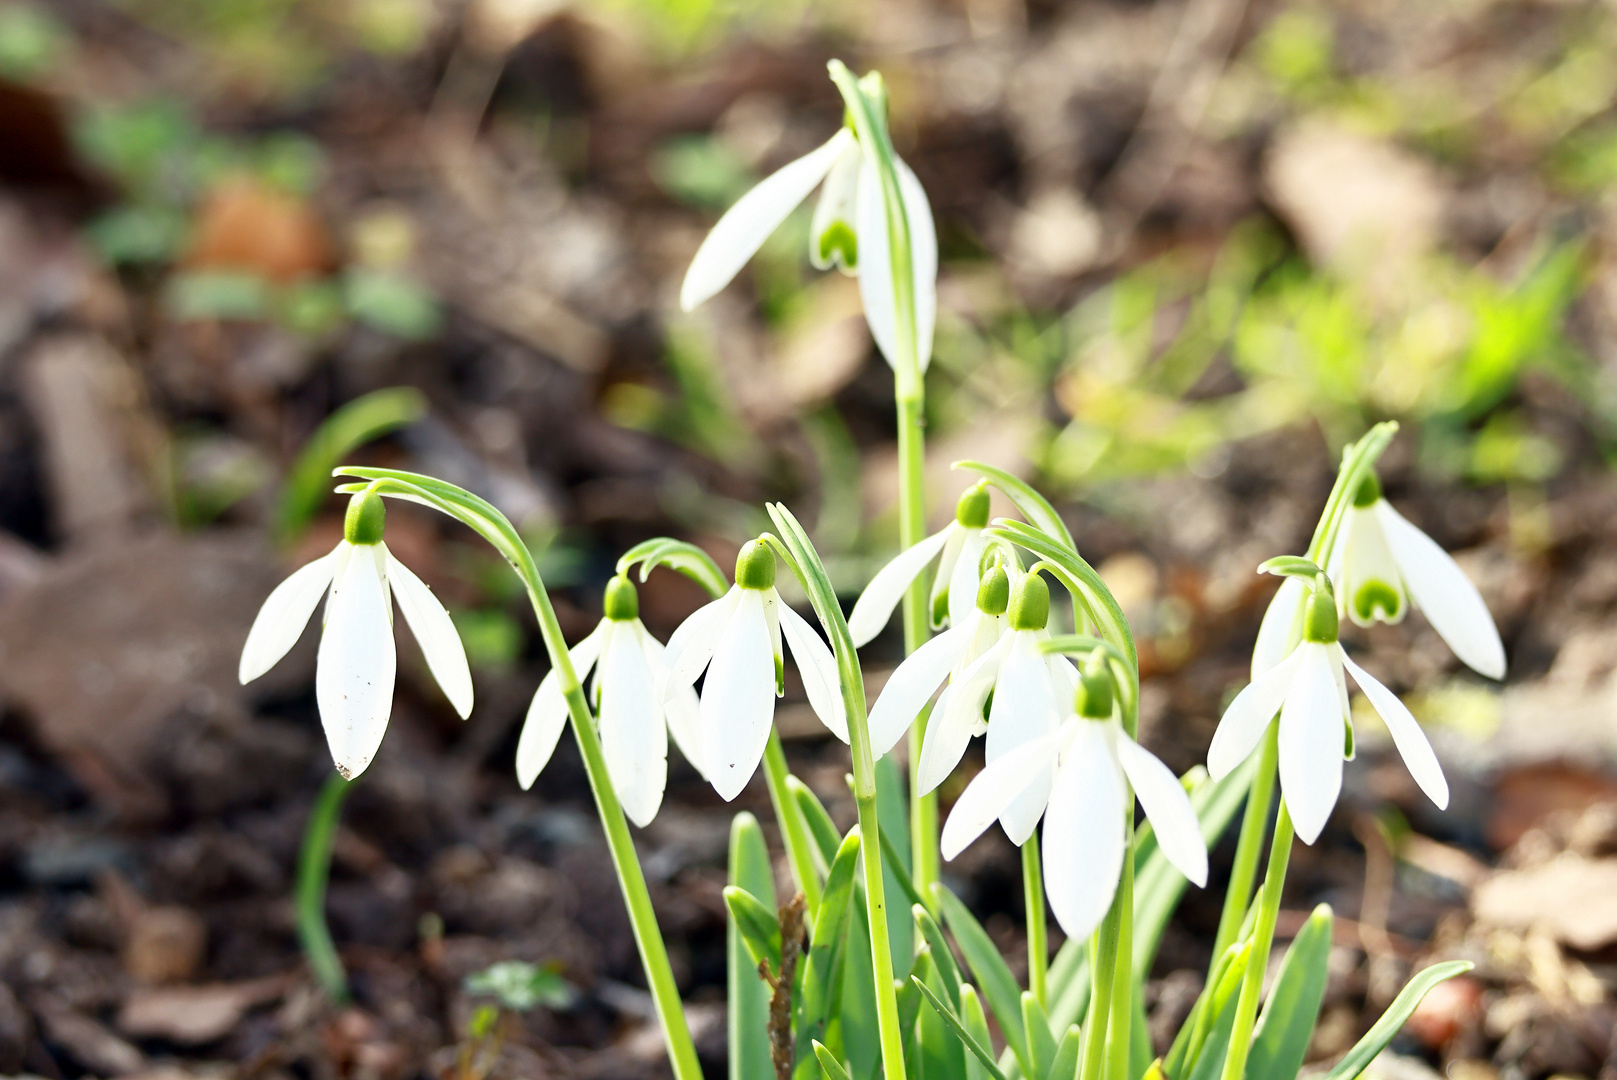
x,y
356,665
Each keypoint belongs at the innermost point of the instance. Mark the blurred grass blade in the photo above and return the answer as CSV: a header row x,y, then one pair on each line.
x,y
344,431
1041,1045
1392,1021
748,995
1288,1019
829,1065
1065,1065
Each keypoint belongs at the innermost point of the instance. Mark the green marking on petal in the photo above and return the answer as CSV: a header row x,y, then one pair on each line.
x,y
940,608
780,676
1349,746
839,243
1376,599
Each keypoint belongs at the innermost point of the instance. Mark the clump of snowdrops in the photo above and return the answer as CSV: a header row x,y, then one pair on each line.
x,y
854,975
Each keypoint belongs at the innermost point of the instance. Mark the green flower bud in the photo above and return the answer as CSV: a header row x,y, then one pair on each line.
x,y
365,519
994,591
622,601
972,509
755,566
1319,617
1030,603
1368,492
1093,700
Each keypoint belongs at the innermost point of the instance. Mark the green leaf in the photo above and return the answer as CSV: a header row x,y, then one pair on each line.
x,y
892,816
1065,1065
974,1041
1140,1051
1289,1015
1290,566
821,827
829,1065
1041,1045
686,558
344,431
391,303
939,1053
1035,507
980,1063
1356,1060
1204,1055
993,975
748,995
941,953
759,927
820,994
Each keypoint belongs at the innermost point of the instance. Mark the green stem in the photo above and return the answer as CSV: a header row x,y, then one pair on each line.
x,y
1038,948
1246,1008
793,829
314,870
1254,825
1103,976
924,857
1122,1003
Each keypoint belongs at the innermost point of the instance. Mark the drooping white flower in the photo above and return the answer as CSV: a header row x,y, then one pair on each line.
x,y
946,656
1083,770
634,720
954,586
1308,688
356,664
737,640
1380,567
849,231
1023,690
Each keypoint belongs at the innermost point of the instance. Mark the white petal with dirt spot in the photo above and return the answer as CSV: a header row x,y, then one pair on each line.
x,y
738,698
1444,594
356,664
435,631
745,226
285,613
875,605
1311,743
818,668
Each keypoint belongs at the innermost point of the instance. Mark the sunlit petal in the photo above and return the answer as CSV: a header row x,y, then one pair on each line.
x,y
285,613
680,708
1083,832
1406,734
964,577
818,667
738,699
356,664
1023,711
991,790
1280,618
1311,743
875,605
1248,716
745,226
835,220
547,712
435,631
691,645
875,262
1442,591
1167,805
909,688
634,740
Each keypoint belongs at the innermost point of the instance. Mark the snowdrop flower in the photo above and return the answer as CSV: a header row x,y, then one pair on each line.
x,y
356,663
633,719
849,231
1083,768
737,639
1309,691
948,655
1380,567
954,586
1022,689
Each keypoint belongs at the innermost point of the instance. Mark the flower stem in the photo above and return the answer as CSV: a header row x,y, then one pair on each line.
x,y
1246,1008
1122,1003
1038,949
1255,823
1102,974
314,870
793,829
924,857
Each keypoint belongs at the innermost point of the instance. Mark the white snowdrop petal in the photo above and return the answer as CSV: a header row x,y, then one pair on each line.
x,y
910,686
1083,832
991,790
745,226
1248,717
1311,743
1366,576
964,578
680,708
435,631
818,668
1023,711
1166,804
875,261
969,689
875,605
1407,735
356,664
836,205
738,699
937,599
1274,633
1442,591
285,613
634,740
691,644
924,260
547,712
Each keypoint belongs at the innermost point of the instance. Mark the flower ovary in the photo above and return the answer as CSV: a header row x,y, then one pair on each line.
x,y
621,601
972,509
1319,618
755,566
994,591
365,519
1030,603
1368,492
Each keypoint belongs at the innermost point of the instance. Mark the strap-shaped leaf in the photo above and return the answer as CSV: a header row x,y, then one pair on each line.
x,y
821,827
686,558
830,1067
1289,1016
758,926
975,1021
939,1050
941,953
1041,1045
1140,1051
1208,1060
974,1041
1065,1065
748,994
1356,1060
999,989
1035,507
820,994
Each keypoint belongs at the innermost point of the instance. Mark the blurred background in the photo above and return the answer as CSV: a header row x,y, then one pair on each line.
x,y
1189,249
